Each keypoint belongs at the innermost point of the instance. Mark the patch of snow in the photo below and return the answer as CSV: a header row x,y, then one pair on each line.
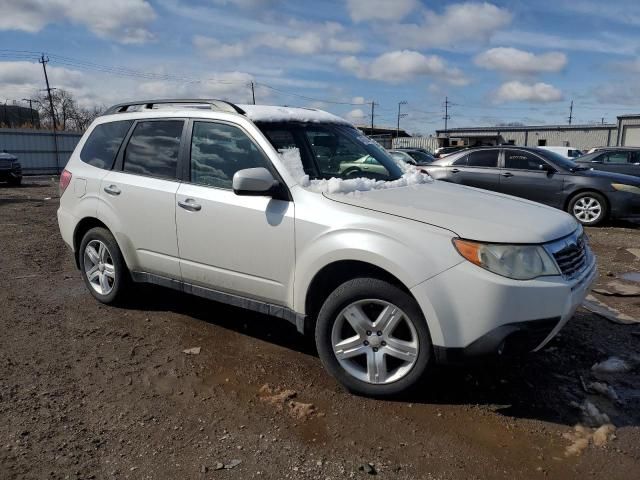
x,y
611,365
272,113
592,415
604,390
292,162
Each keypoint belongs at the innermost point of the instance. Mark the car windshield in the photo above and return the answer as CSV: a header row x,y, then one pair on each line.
x,y
421,158
333,150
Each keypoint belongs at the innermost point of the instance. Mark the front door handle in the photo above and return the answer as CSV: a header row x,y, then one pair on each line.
x,y
454,170
190,204
112,190
507,174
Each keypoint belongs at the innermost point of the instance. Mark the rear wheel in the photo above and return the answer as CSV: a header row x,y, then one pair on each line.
x,y
15,182
589,208
102,265
372,337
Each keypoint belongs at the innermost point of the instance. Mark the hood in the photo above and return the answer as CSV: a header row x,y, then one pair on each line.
x,y
469,212
611,176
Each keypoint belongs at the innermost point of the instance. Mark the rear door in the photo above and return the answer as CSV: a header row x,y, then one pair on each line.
x,y
478,168
527,175
138,197
235,244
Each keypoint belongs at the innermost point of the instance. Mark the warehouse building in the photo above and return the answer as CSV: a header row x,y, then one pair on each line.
x,y
626,132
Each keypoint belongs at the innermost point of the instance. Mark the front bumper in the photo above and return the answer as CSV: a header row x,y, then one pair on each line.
x,y
473,313
14,173
624,204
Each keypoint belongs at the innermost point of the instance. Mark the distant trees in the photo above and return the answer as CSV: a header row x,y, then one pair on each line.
x,y
69,115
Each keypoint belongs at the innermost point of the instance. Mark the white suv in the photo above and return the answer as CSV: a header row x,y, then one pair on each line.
x,y
294,213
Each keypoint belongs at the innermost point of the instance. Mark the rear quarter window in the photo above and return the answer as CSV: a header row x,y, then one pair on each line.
x,y
102,146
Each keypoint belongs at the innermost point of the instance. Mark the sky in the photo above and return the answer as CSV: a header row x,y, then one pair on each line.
x,y
496,62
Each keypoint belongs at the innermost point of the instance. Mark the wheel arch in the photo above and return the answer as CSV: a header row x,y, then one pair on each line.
x,y
83,226
579,191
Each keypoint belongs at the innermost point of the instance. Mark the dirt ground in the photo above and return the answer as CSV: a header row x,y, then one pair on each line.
x,y
90,391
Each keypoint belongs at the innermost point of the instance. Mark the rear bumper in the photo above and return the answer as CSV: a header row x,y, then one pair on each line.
x,y
67,224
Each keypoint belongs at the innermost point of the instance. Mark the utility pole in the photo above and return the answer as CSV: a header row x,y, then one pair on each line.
x,y
403,102
373,104
570,112
44,60
602,122
253,94
446,112
30,100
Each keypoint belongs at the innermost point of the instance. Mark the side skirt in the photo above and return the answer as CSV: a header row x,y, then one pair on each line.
x,y
279,311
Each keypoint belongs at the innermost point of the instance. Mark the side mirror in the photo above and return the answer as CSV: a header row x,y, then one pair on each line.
x,y
545,167
257,182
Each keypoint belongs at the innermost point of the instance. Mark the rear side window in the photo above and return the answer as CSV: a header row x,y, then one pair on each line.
x,y
102,146
522,161
153,149
483,158
615,157
218,151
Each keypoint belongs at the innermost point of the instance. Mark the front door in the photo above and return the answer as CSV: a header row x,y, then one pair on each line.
x,y
138,197
237,244
527,175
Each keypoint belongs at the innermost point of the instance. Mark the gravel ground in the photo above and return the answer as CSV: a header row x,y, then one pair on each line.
x,y
90,391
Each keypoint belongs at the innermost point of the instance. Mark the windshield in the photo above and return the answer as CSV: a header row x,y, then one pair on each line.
x,y
421,158
559,160
332,150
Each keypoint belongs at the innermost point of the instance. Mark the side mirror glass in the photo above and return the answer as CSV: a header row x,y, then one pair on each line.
x,y
254,182
545,167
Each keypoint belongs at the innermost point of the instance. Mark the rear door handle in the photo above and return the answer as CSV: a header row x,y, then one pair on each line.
x,y
112,190
507,174
190,204
454,170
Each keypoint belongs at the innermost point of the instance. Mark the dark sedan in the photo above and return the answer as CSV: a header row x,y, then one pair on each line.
x,y
616,160
10,169
546,177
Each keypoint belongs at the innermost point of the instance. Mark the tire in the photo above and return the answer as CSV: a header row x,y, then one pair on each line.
x,y
15,182
106,267
589,208
367,352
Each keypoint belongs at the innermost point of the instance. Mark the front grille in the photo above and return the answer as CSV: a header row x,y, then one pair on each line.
x,y
571,254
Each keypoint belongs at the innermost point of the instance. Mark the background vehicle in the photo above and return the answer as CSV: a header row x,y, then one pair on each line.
x,y
444,151
411,157
567,152
546,177
615,160
10,169
202,200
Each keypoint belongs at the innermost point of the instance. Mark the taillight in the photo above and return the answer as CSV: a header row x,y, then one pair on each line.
x,y
65,180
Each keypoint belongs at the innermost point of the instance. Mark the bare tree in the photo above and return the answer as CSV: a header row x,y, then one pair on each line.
x,y
69,115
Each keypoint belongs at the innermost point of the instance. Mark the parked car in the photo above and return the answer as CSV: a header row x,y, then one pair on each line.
x,y
616,160
567,152
444,151
412,157
546,177
217,202
10,169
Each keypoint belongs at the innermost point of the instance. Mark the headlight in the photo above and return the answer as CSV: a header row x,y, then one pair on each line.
x,y
621,187
520,262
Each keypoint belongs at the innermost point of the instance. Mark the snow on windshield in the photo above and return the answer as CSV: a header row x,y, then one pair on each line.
x,y
293,163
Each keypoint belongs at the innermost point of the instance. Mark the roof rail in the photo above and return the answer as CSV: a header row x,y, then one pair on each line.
x,y
220,105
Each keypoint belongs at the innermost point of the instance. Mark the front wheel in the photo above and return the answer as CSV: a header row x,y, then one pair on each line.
x,y
589,208
372,337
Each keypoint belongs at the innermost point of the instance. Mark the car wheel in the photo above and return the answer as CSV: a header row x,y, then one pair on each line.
x,y
15,182
589,208
102,265
372,337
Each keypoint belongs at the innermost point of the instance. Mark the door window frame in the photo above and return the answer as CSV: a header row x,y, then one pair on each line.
x,y
504,161
118,165
184,159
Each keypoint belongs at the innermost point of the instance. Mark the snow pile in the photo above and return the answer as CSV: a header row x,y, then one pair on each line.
x,y
293,163
611,365
271,113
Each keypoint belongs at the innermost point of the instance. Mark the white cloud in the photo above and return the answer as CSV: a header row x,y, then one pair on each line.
x,y
631,66
362,10
355,116
213,48
516,91
124,21
512,60
401,66
466,23
358,100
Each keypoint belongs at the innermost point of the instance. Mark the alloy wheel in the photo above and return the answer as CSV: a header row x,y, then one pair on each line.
x,y
587,209
375,341
98,267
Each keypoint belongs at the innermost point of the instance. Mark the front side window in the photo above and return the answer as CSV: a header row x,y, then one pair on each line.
x,y
102,146
153,149
218,151
483,158
521,160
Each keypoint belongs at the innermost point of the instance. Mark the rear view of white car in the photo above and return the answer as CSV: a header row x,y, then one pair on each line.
x,y
255,206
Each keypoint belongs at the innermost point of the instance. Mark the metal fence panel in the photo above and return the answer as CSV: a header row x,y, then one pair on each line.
x,y
428,143
36,148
